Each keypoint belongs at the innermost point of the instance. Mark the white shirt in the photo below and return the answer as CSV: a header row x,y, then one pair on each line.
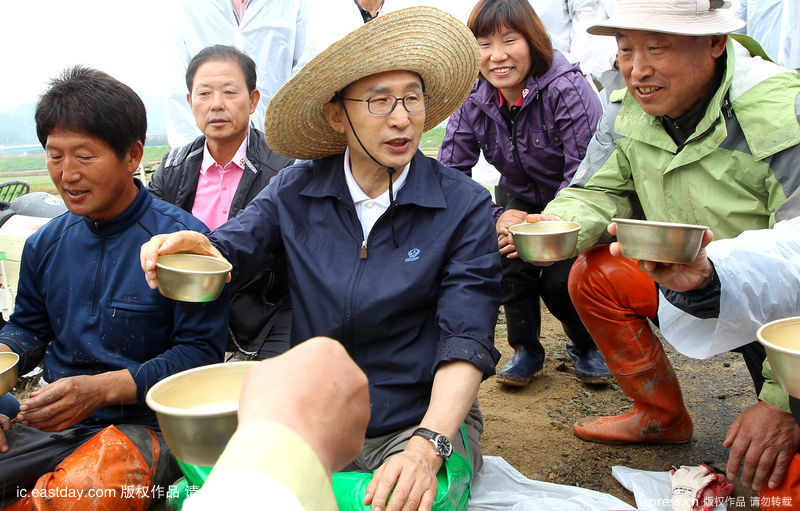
x,y
272,32
775,24
566,21
368,209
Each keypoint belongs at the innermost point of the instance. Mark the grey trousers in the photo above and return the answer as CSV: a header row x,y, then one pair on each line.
x,y
378,449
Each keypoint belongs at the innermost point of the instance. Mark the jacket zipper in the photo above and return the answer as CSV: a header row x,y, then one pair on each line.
x,y
348,300
362,257
515,153
96,296
698,137
348,310
727,111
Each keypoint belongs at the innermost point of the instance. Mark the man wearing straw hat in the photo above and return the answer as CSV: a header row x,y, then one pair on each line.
x,y
703,134
389,252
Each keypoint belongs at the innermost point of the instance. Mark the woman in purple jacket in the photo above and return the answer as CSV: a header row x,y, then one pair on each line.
x,y
532,113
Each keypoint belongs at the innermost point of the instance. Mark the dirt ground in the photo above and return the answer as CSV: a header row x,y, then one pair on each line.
x,y
531,427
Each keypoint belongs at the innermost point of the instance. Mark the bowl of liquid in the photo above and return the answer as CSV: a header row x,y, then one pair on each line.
x,y
196,409
781,340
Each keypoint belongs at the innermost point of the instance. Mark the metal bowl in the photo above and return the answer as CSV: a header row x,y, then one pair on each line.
x,y
8,371
191,277
196,409
781,340
661,242
545,241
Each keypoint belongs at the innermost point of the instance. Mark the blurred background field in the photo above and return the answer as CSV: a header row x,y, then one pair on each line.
x,y
30,166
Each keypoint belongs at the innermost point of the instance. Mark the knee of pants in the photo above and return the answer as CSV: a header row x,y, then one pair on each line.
x,y
615,284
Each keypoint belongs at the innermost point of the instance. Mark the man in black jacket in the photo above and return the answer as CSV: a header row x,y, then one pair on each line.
x,y
218,174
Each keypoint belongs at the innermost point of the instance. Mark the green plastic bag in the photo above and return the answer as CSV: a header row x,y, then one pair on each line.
x,y
454,483
452,492
194,477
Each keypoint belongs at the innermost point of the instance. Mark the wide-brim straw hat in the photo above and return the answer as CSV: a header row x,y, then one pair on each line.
x,y
682,17
425,40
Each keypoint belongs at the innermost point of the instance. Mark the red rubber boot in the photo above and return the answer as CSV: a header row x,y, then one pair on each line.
x,y
614,298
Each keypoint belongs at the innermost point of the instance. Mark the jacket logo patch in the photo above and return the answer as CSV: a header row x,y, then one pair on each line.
x,y
413,255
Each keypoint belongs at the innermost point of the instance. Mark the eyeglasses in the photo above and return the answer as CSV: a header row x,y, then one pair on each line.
x,y
383,104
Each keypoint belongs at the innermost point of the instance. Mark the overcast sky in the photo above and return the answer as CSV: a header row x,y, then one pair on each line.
x,y
41,38
125,39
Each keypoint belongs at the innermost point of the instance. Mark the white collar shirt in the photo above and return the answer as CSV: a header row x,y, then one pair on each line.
x,y
369,209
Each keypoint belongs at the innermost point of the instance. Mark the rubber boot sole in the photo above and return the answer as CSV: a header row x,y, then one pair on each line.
x,y
595,380
518,382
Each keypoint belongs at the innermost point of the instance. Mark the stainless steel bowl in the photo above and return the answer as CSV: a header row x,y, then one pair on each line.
x,y
196,410
191,277
781,340
545,241
662,242
8,371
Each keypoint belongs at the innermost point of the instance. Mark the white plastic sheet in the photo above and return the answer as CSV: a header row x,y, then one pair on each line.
x,y
650,489
499,486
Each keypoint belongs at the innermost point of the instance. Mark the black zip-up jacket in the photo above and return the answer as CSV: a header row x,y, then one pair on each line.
x,y
175,181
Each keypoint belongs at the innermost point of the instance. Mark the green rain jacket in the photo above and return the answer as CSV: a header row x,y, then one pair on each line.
x,y
739,170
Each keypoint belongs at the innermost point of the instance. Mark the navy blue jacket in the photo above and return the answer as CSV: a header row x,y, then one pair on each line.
x,y
84,307
400,312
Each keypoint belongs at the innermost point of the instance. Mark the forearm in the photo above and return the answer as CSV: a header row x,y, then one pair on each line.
x,y
593,209
115,387
199,336
455,387
29,346
274,450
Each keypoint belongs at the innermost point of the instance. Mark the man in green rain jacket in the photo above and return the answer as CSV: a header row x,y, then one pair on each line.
x,y
703,134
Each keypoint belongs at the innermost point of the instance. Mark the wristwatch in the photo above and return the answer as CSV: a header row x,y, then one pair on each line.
x,y
440,442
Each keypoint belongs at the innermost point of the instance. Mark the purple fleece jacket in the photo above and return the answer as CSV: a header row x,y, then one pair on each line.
x,y
541,151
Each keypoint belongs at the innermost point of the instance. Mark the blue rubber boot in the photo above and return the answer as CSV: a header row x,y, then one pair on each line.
x,y
590,367
523,319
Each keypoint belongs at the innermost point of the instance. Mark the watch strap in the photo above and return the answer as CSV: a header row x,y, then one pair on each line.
x,y
434,438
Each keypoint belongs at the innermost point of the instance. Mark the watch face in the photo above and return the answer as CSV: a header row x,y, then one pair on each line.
x,y
443,445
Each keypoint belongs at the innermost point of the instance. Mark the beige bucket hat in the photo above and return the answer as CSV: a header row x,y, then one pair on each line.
x,y
682,17
425,40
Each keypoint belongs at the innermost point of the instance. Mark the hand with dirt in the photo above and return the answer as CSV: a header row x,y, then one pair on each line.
x,y
678,277
504,241
763,440
67,401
